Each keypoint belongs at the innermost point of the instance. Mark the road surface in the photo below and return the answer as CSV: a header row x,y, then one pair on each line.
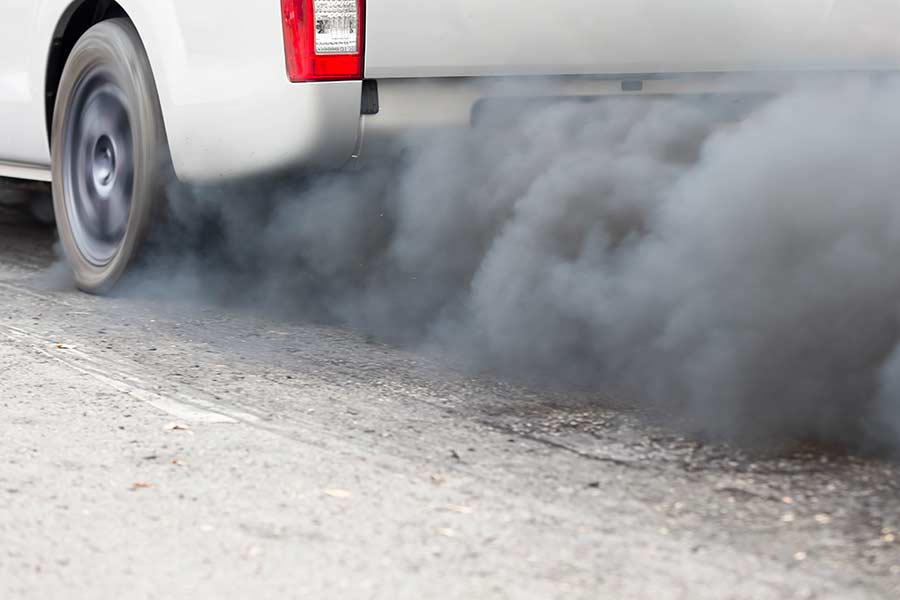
x,y
156,450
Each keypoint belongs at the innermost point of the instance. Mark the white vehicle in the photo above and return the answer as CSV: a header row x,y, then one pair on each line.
x,y
105,98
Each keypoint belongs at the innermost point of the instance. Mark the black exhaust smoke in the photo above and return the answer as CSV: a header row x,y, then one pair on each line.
x,y
740,275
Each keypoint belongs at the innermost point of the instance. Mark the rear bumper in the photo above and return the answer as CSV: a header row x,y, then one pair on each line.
x,y
282,126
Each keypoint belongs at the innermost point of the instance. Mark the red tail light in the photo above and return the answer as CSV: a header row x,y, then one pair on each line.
x,y
324,39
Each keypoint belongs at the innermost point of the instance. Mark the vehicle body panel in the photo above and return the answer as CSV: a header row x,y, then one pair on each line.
x,y
228,107
22,64
578,37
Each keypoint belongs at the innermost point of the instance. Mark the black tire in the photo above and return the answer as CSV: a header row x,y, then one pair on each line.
x,y
109,154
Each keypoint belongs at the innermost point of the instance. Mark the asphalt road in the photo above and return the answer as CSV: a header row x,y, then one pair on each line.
x,y
157,450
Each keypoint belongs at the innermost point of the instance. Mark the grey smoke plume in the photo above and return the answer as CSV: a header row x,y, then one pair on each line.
x,y
742,274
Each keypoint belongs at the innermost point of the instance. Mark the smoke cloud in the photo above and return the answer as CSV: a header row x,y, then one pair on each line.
x,y
736,269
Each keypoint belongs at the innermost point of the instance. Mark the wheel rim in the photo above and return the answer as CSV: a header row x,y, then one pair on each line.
x,y
98,172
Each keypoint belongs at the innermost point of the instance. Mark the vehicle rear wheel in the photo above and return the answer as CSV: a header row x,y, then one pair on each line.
x,y
109,154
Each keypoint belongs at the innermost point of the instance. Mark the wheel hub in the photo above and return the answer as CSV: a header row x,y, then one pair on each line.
x,y
104,166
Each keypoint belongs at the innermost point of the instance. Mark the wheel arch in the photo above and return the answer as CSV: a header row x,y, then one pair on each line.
x,y
75,18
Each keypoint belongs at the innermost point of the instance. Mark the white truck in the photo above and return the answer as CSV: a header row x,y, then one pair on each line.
x,y
106,98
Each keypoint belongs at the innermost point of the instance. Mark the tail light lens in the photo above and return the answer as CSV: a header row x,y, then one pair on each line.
x,y
323,39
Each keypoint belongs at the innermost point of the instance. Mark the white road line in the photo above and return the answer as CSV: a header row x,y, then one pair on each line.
x,y
180,406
